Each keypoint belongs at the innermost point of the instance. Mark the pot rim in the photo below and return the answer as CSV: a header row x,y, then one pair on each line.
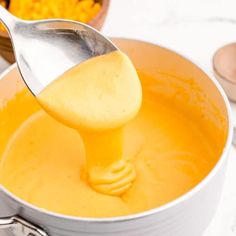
x,y
168,205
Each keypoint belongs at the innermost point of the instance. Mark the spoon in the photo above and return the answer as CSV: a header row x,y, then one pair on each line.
x,y
45,49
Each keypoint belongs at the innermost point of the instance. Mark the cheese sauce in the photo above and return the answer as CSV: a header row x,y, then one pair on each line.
x,y
103,145
44,162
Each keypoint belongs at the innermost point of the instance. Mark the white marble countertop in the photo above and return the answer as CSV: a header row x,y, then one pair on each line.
x,y
195,28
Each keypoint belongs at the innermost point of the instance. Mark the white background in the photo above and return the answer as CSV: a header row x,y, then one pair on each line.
x,y
195,28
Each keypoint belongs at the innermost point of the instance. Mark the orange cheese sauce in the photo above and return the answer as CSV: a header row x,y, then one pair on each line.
x,y
97,98
45,164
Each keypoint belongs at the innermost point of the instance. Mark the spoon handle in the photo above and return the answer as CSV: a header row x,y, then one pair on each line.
x,y
7,18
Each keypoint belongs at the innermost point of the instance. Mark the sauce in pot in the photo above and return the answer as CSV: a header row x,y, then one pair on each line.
x,y
118,166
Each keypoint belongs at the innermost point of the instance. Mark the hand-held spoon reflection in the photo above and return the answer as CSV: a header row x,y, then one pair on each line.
x,y
45,49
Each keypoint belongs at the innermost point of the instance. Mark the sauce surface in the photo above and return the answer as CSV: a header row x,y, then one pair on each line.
x,y
169,149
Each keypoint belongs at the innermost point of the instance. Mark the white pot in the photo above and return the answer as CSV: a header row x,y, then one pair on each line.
x,y
189,215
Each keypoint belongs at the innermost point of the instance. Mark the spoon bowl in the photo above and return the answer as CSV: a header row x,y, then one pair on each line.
x,y
45,49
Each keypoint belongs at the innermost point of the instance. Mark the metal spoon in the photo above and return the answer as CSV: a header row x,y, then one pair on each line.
x,y
47,48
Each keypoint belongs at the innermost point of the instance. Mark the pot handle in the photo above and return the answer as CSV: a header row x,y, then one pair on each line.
x,y
21,227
